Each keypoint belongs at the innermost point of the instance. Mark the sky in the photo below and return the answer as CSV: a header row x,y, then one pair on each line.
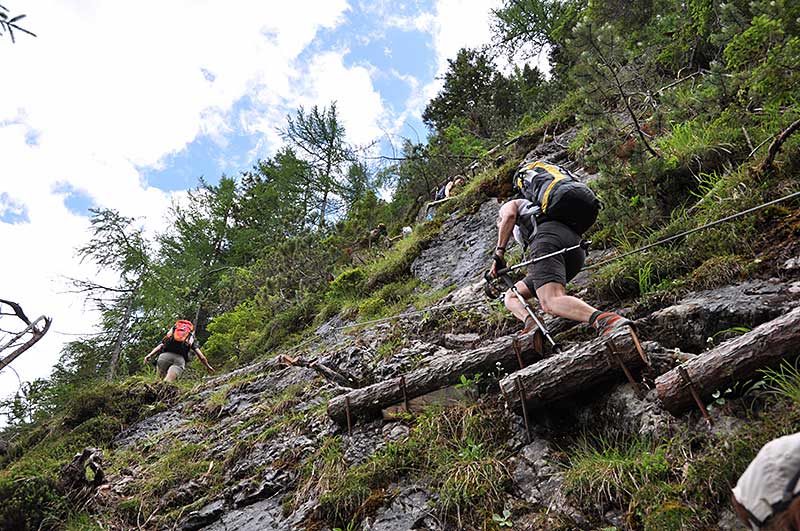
x,y
126,105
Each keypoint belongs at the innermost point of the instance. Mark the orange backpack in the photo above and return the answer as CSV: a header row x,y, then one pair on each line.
x,y
179,339
181,330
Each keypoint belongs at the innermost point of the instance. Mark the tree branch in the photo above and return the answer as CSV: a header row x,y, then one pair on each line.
x,y
776,145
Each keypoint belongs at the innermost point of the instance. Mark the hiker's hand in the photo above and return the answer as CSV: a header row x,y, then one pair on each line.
x,y
498,263
210,369
147,359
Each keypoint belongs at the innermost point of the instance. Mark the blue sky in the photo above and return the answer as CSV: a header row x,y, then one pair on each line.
x,y
364,38
97,112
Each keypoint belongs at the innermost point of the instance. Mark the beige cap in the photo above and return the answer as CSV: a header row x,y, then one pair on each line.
x,y
763,483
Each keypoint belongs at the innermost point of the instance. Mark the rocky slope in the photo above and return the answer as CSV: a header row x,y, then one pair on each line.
x,y
255,449
261,433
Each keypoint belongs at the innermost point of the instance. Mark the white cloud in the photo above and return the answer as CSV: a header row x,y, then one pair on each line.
x,y
326,79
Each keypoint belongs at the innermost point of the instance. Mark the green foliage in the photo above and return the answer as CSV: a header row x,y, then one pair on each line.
x,y
348,285
92,418
503,520
602,470
31,503
465,382
126,402
319,133
233,334
784,381
765,54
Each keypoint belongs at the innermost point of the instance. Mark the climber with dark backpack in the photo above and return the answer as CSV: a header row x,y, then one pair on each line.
x,y
175,350
554,210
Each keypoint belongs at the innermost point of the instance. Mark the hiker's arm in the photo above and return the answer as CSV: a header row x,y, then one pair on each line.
x,y
203,359
153,353
505,228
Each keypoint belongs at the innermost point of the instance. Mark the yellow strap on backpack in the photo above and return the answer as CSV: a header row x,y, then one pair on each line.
x,y
555,171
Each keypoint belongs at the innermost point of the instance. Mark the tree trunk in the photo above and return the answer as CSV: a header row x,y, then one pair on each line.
x,y
570,372
367,402
112,369
739,358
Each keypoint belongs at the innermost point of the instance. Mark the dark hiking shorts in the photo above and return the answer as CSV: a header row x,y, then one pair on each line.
x,y
553,236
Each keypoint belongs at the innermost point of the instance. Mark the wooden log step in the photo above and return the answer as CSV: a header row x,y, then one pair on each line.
x,y
367,402
573,371
737,359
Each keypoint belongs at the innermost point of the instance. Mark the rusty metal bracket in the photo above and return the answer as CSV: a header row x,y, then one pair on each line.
x,y
524,409
517,351
613,355
347,412
638,346
405,394
688,382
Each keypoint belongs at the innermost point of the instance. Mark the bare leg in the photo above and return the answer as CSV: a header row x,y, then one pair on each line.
x,y
172,375
555,301
514,305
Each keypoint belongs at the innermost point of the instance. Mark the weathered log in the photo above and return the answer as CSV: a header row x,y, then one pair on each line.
x,y
367,402
572,371
739,358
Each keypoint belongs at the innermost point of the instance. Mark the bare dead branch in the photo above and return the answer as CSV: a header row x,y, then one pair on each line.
x,y
775,147
17,311
37,334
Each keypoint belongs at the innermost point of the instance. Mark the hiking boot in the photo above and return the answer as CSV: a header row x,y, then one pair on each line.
x,y
606,322
530,326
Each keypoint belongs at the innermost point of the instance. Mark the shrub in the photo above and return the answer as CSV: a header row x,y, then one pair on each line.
x,y
31,503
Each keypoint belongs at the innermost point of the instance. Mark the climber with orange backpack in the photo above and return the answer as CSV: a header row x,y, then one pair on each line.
x,y
175,349
548,220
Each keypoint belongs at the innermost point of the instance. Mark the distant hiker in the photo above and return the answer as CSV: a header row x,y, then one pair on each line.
x,y
767,495
554,211
453,187
440,192
377,234
175,349
404,233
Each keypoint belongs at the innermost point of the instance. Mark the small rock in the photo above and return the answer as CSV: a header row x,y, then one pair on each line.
x,y
395,431
407,511
730,522
251,491
201,518
791,264
616,519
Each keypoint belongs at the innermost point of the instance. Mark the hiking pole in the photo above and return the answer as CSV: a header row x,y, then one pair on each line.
x,y
584,244
503,275
510,285
539,324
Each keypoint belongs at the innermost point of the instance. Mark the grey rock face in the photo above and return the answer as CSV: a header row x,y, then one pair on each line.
x,y
408,511
689,324
461,252
538,481
262,516
624,410
154,426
